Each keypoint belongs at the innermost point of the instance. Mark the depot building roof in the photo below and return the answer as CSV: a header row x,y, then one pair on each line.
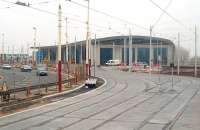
x,y
119,40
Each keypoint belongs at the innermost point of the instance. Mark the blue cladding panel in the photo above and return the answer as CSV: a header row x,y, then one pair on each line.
x,y
143,55
40,55
127,55
53,55
105,55
158,52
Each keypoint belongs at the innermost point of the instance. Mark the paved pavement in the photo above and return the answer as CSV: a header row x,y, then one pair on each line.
x,y
129,101
190,119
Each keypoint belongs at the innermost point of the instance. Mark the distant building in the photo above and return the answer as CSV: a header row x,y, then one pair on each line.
x,y
14,58
113,48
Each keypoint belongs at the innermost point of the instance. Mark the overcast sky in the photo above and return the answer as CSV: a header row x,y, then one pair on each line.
x,y
17,22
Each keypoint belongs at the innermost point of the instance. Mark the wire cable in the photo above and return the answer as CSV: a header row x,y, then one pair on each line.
x,y
161,15
54,14
110,16
172,17
39,3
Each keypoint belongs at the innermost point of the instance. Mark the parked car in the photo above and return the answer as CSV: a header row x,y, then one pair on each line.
x,y
113,62
26,68
42,71
6,66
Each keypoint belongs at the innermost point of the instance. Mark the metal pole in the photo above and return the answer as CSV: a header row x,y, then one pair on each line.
x,y
113,47
21,55
150,52
3,36
39,85
195,64
13,54
34,41
27,53
90,61
87,41
8,55
67,49
13,82
95,54
59,50
161,55
157,54
75,51
172,77
81,53
124,51
130,50
178,54
39,53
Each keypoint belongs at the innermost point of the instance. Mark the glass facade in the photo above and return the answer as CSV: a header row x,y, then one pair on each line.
x,y
162,53
76,56
143,55
42,54
53,55
106,54
127,55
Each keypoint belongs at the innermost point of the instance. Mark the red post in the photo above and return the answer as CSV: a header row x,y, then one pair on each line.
x,y
59,76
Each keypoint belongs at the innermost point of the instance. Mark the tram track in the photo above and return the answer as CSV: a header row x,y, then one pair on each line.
x,y
59,107
113,90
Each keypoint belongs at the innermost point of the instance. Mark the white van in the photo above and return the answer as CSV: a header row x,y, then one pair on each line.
x,y
113,62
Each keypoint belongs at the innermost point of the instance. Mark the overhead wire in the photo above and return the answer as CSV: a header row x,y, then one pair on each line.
x,y
125,21
161,15
38,3
169,15
110,16
106,14
54,14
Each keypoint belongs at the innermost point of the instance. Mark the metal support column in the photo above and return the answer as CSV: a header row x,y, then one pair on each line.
x,y
130,50
178,55
59,51
195,64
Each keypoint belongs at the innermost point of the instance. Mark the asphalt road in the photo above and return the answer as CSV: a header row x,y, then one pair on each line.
x,y
128,101
15,78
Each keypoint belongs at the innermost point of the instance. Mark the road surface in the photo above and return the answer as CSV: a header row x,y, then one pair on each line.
x,y
128,101
16,79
